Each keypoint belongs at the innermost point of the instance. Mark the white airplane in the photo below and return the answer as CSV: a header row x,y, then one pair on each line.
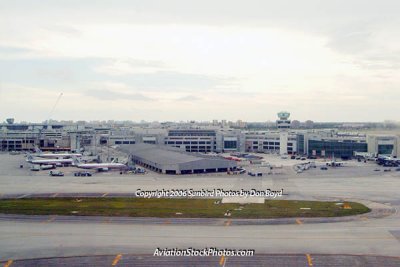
x,y
56,162
39,153
334,163
101,166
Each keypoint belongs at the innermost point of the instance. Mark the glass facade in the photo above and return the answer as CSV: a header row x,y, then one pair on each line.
x,y
385,149
335,148
230,144
300,144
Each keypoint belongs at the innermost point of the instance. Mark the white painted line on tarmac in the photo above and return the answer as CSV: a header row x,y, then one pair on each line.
x,y
22,196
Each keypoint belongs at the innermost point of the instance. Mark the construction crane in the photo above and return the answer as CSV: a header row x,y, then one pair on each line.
x,y
54,107
46,123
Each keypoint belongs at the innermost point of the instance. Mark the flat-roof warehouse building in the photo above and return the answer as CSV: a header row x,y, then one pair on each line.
x,y
173,161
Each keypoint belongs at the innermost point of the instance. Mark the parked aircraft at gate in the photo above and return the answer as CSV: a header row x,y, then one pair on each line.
x,y
39,153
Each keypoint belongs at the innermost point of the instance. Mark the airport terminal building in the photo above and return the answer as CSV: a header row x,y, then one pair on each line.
x,y
206,140
198,138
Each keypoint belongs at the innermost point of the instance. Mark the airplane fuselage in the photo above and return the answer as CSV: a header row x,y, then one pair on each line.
x,y
50,161
58,156
102,166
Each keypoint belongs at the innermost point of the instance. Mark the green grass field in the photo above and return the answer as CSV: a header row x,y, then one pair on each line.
x,y
168,208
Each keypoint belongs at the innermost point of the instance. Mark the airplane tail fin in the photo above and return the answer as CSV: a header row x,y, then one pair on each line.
x,y
129,161
29,157
37,150
76,161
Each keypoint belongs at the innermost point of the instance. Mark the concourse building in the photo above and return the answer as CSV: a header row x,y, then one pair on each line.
x,y
169,160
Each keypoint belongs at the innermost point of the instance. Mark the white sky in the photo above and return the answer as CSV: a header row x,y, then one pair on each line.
x,y
201,60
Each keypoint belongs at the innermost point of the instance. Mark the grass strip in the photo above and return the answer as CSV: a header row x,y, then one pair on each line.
x,y
181,208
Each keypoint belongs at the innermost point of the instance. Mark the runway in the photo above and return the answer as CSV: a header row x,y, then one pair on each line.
x,y
288,260
51,238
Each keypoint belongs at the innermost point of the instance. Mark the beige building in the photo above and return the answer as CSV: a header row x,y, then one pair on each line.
x,y
383,144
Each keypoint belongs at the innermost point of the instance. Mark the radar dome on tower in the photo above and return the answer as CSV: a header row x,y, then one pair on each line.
x,y
283,115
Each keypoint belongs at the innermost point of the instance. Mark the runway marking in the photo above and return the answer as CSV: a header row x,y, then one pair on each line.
x,y
298,221
222,261
309,260
105,194
228,222
8,263
51,219
55,195
117,259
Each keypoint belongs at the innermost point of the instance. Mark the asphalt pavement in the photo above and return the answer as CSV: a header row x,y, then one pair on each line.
x,y
53,241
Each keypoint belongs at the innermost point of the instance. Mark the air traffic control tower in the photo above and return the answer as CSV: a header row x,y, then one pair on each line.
x,y
283,124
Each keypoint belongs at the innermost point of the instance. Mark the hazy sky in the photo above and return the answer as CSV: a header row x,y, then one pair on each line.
x,y
202,60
